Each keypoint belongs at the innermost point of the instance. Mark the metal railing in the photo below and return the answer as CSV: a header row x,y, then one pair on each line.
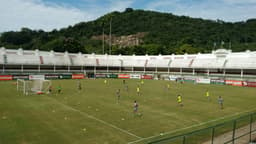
x,y
236,131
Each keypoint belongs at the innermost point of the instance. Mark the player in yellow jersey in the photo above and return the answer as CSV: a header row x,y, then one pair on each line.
x,y
142,82
168,86
207,94
138,90
179,100
105,81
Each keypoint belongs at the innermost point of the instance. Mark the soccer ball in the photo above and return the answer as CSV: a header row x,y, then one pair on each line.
x,y
161,134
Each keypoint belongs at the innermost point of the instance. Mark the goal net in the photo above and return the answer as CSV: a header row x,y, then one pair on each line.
x,y
33,86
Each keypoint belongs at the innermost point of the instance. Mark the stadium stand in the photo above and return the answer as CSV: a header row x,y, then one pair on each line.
x,y
181,63
241,63
219,61
210,62
158,63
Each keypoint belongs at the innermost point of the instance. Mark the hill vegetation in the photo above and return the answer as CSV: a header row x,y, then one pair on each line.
x,y
163,33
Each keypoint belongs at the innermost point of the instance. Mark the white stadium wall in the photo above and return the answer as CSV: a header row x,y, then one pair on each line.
x,y
217,61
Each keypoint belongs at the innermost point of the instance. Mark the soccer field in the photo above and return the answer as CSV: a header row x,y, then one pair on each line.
x,y
94,116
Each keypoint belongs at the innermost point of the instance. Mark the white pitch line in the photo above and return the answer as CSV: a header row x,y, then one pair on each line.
x,y
99,120
196,125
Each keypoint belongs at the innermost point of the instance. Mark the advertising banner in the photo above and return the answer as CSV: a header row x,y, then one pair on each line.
x,y
124,76
52,76
77,76
203,80
189,79
100,75
5,77
135,76
112,76
249,84
234,82
65,76
36,77
24,77
90,75
147,76
173,77
218,81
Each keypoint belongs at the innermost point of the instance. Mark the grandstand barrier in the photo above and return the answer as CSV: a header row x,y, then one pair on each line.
x,y
235,131
187,79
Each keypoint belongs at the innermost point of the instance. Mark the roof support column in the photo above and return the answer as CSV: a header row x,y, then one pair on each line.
x,y
54,68
3,69
22,69
39,68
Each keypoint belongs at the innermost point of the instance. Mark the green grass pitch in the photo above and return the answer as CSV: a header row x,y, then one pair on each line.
x,y
93,116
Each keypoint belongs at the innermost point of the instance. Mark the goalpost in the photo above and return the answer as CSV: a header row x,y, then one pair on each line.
x,y
36,86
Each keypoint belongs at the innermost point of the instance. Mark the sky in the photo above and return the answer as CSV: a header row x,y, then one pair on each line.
x,y
55,14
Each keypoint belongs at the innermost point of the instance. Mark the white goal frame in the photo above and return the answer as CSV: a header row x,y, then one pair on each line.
x,y
37,86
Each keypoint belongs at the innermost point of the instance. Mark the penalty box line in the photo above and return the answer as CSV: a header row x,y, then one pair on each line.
x,y
196,125
99,120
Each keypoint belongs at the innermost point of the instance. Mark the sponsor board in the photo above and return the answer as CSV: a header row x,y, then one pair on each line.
x,y
100,75
173,77
52,76
124,76
5,77
25,77
112,76
234,82
147,76
135,76
189,79
65,76
77,76
249,84
218,81
203,80
36,77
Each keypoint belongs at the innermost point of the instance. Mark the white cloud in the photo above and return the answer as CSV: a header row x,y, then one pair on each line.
x,y
36,14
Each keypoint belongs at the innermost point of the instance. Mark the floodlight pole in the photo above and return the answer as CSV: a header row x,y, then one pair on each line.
x,y
110,38
103,39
